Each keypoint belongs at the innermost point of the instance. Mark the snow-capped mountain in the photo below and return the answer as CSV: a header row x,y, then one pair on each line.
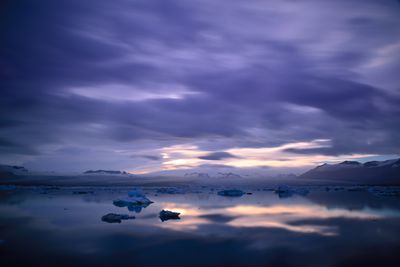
x,y
218,175
387,171
106,172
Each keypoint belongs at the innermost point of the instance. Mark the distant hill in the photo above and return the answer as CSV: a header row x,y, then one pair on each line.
x,y
218,175
105,172
372,172
227,175
10,171
197,175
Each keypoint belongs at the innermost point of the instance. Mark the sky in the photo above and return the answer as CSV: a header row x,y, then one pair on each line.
x,y
160,86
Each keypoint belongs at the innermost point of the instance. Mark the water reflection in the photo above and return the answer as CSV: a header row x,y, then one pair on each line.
x,y
277,216
228,231
133,208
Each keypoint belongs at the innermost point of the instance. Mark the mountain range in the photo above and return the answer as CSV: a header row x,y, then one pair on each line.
x,y
372,172
105,172
347,172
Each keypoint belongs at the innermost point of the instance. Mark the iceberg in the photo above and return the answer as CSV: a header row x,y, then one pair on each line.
x,y
285,191
135,201
231,193
132,201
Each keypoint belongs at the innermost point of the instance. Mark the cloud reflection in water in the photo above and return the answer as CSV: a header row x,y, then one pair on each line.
x,y
281,216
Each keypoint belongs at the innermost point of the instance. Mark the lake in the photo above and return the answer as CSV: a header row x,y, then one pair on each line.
x,y
338,226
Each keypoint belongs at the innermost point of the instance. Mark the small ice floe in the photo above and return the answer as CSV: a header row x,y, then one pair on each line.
x,y
285,191
268,189
136,193
166,215
332,188
384,191
132,201
116,218
231,193
135,201
170,190
356,189
7,187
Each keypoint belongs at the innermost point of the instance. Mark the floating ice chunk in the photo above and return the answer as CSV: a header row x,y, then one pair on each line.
x,y
301,191
135,201
137,208
8,187
116,218
136,193
285,191
166,215
384,191
170,190
231,193
132,201
268,189
135,198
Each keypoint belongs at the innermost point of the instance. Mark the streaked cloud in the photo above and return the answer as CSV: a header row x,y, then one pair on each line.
x,y
265,81
187,156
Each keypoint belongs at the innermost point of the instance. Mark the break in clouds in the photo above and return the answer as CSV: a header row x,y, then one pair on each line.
x,y
147,86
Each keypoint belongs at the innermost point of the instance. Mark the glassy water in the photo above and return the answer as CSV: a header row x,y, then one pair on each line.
x,y
63,227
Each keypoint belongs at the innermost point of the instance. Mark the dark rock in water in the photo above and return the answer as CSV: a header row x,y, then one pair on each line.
x,y
166,215
356,189
231,193
82,192
116,218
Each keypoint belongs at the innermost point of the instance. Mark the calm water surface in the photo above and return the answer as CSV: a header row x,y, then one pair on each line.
x,y
62,228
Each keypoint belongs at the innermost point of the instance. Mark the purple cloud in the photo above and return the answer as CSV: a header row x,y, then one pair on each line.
x,y
128,76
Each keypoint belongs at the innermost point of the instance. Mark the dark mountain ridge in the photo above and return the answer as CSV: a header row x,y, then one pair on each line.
x,y
372,172
105,172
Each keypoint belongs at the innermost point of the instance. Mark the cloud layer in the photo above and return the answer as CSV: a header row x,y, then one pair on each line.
x,y
112,84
